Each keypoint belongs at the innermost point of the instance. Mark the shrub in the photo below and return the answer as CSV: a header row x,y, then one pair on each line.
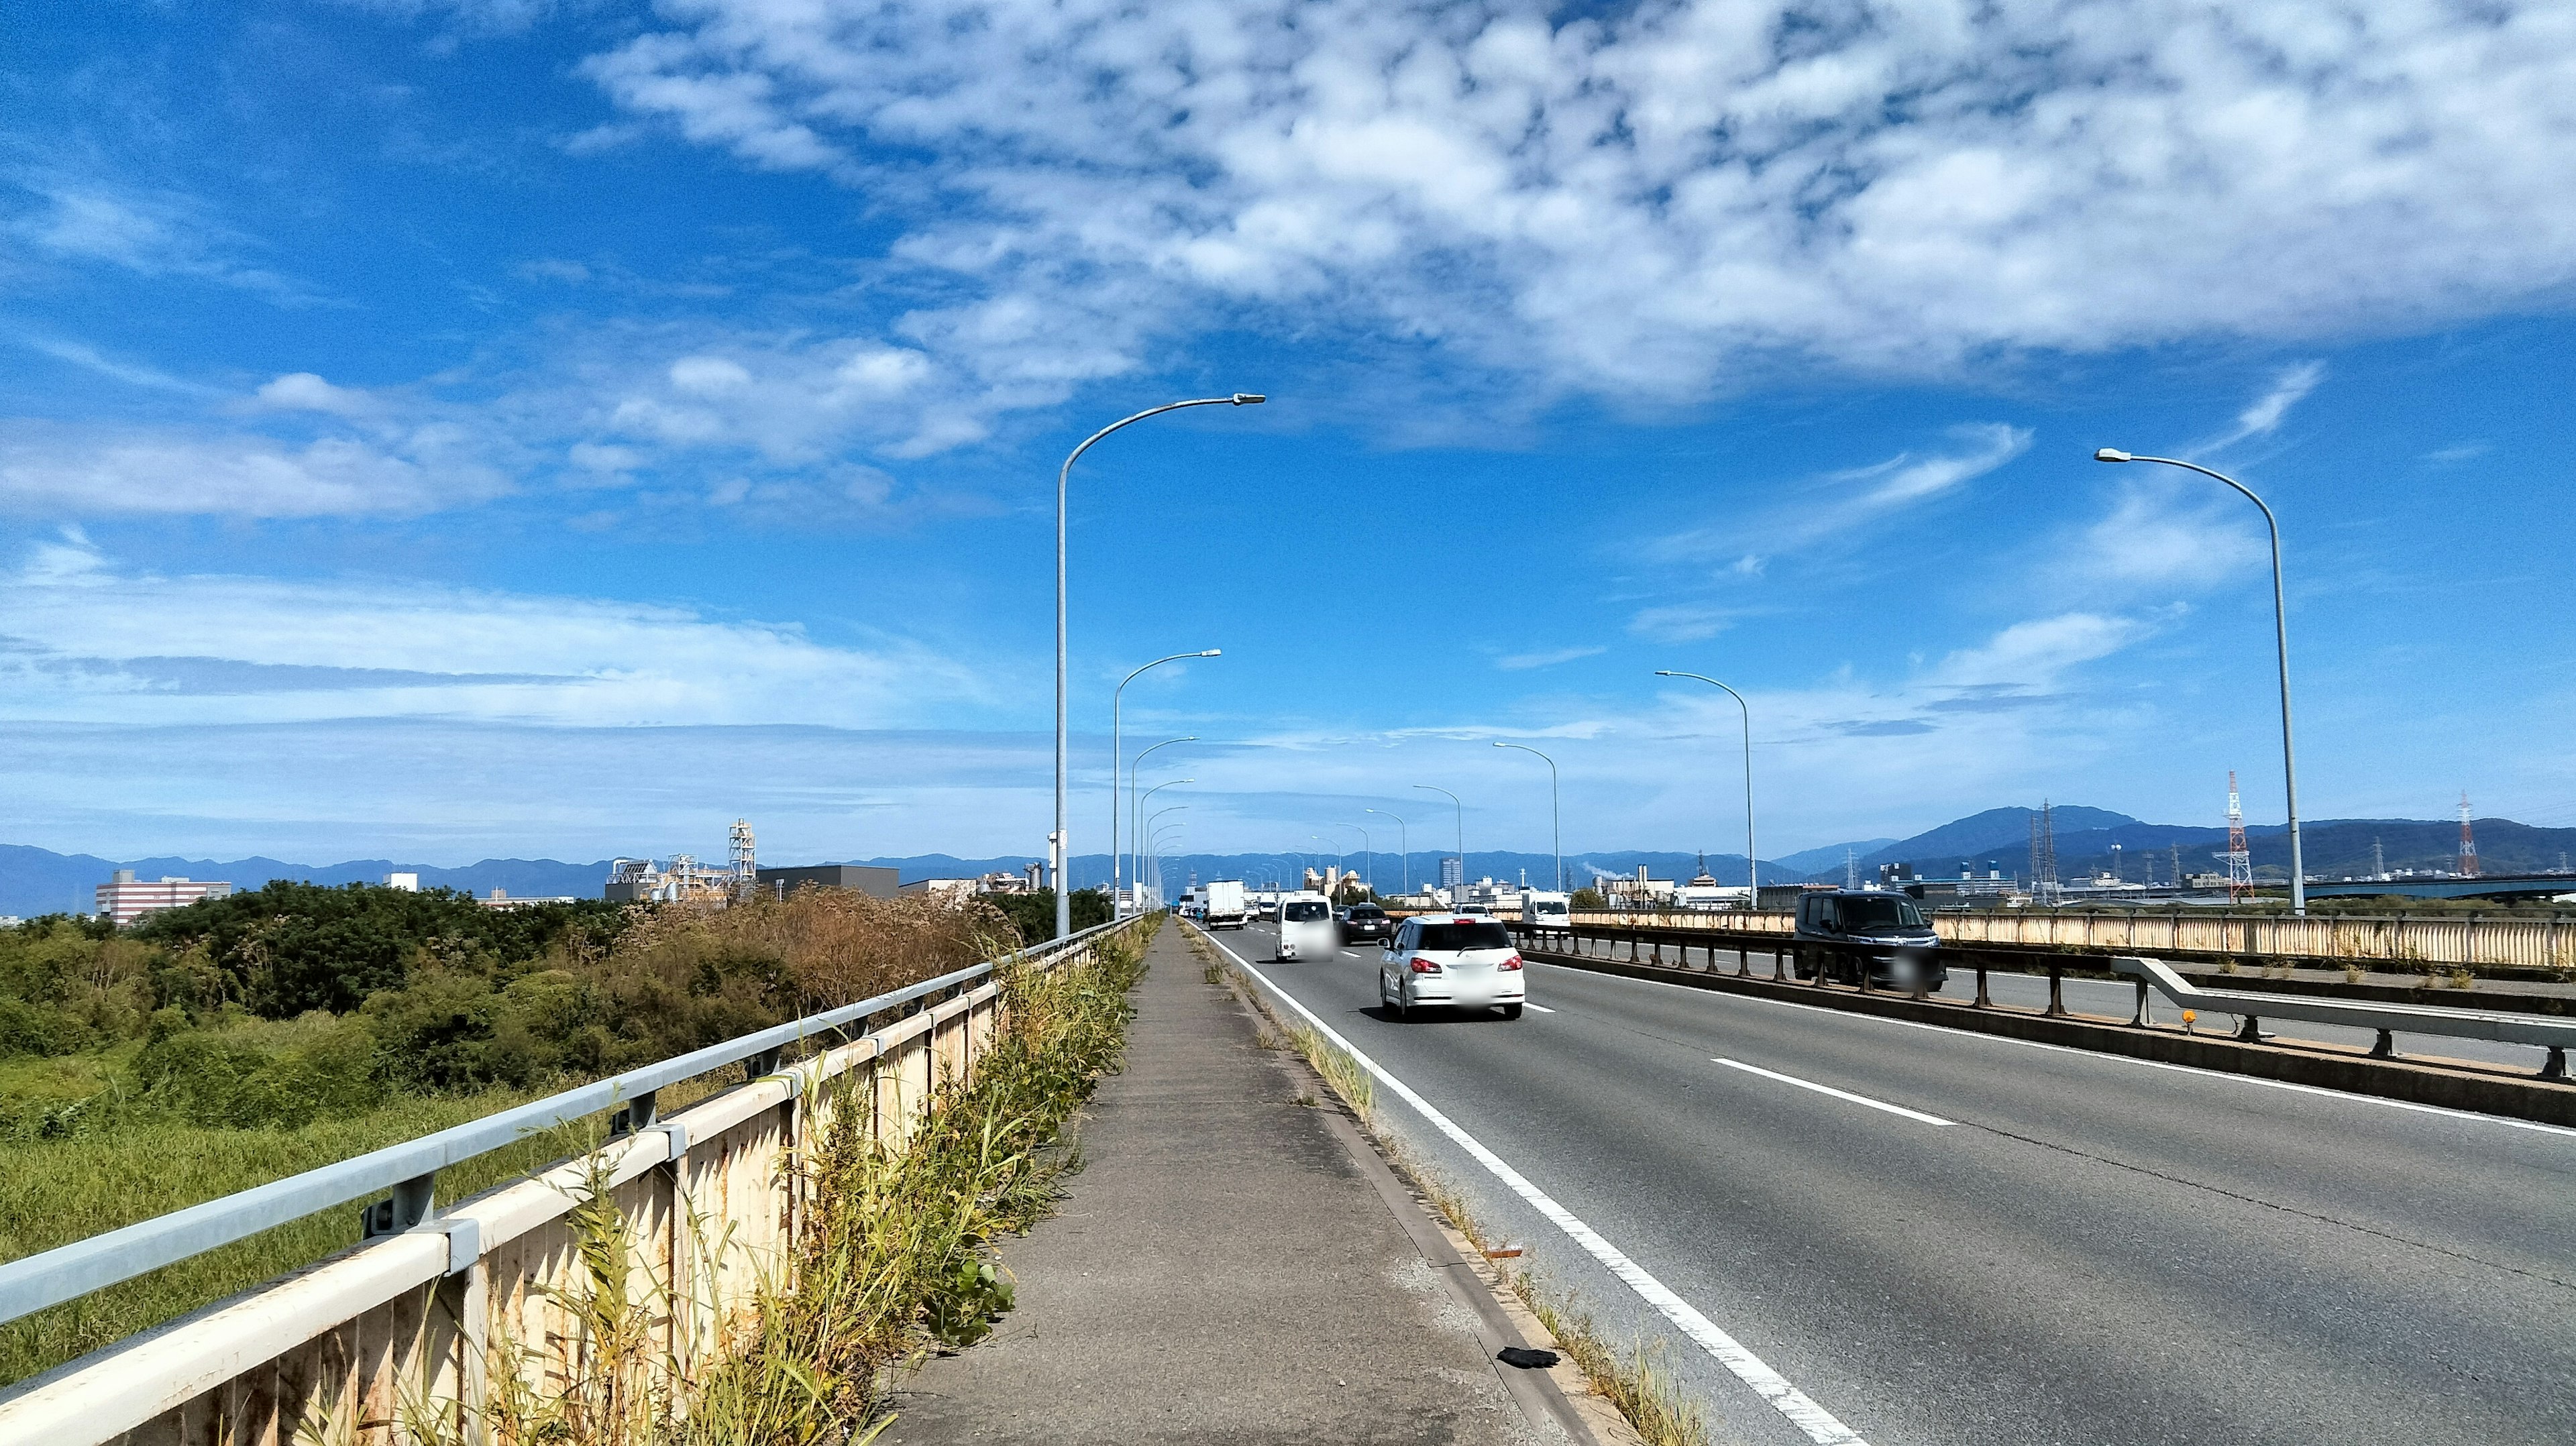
x,y
39,1029
290,947
242,1077
1034,914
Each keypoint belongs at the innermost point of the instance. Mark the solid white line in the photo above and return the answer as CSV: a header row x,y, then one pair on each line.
x,y
2216,1074
1819,1424
1541,1008
1806,1084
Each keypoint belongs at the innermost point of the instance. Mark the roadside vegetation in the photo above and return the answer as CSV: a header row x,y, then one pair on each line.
x,y
240,1040
898,1261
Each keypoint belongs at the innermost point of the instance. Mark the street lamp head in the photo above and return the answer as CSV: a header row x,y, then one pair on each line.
x,y
1249,399
2111,454
1213,653
1666,673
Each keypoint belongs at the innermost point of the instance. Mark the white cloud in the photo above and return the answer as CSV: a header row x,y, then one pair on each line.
x,y
305,392
121,471
152,233
1911,477
2162,534
2264,415
1680,623
1839,504
1544,658
1650,203
2033,653
83,641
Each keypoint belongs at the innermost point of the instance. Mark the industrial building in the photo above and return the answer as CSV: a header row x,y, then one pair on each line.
x,y
125,898
867,879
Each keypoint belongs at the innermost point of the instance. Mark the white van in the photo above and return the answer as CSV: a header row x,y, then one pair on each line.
x,y
1306,927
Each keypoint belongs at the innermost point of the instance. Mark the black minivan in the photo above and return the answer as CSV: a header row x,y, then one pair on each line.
x,y
1842,931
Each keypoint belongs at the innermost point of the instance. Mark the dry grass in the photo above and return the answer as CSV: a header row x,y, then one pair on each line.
x,y
840,945
1638,1381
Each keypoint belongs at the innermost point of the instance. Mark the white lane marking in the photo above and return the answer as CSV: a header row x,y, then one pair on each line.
x,y
2092,1054
1541,1008
1818,1423
1808,1084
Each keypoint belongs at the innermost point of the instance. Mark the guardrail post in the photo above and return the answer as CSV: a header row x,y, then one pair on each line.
x,y
1984,1000
638,1113
2250,1031
413,1201
2056,990
1743,961
2556,1065
2384,1047
2140,1020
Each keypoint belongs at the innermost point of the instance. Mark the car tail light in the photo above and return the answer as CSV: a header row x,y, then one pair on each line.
x,y
1513,962
1424,966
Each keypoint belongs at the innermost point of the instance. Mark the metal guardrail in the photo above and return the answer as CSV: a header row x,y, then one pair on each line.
x,y
410,1170
2548,1032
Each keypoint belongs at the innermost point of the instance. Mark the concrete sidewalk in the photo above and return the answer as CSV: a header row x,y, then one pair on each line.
x,y
1230,1267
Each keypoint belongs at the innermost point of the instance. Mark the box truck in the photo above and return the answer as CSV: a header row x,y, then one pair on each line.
x,y
1223,905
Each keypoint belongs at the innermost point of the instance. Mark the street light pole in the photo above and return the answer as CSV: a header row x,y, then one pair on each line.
x,y
1752,861
1134,826
1368,855
1141,821
1059,844
1157,836
1116,699
2281,643
1403,840
1462,830
1555,832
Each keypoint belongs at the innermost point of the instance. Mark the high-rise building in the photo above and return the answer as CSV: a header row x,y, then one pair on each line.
x,y
1453,873
125,898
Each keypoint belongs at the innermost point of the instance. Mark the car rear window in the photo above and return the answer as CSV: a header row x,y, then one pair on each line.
x,y
1309,910
1464,936
1368,911
1880,914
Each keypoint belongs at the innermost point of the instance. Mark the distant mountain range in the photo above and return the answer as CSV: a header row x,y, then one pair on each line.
x,y
37,881
2334,848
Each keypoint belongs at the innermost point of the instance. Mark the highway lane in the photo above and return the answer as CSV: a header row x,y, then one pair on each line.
x,y
2094,1250
2114,999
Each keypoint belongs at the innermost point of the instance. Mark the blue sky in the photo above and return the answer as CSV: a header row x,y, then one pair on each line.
x,y
515,428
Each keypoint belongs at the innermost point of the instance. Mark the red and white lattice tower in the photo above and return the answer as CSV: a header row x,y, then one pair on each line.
x,y
2240,859
2468,842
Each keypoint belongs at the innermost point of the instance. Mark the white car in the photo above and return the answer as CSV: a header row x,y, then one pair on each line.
x,y
1307,929
1457,960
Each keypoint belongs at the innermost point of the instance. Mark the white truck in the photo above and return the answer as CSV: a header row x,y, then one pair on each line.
x,y
1545,908
1223,904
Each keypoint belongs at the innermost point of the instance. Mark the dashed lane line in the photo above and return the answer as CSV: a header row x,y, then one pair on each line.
x,y
1826,1089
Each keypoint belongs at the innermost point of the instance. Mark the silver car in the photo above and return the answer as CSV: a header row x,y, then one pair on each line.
x,y
1452,960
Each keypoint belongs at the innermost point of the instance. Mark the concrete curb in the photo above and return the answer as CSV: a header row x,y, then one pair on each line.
x,y
2477,1093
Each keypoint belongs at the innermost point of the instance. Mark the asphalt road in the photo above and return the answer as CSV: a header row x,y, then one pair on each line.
x,y
2046,1246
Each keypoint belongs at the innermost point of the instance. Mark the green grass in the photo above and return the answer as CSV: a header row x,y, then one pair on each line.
x,y
53,1192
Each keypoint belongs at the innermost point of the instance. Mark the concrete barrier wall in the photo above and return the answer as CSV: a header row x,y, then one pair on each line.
x,y
2394,939
439,1317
